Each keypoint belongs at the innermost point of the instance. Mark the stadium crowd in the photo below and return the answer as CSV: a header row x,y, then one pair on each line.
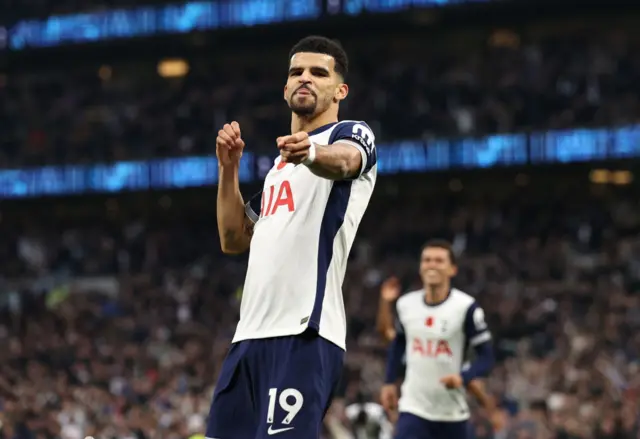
x,y
116,329
499,82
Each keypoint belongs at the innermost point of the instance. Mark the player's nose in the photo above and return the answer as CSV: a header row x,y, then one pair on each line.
x,y
305,77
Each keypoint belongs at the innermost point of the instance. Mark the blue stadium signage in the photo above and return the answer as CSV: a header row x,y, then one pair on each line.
x,y
569,146
188,17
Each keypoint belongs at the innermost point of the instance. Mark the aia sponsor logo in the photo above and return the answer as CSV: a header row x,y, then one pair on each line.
x,y
430,348
277,197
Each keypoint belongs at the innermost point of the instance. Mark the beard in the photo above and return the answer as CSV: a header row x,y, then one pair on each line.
x,y
303,106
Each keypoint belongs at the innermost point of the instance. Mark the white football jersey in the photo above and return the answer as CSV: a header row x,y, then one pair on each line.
x,y
437,340
304,228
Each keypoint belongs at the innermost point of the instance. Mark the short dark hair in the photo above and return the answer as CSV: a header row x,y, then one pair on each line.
x,y
324,45
444,244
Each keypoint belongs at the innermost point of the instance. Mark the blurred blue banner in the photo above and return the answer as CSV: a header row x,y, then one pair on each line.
x,y
570,146
157,20
118,177
353,7
188,17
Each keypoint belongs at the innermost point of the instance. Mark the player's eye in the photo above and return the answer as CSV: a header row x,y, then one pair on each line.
x,y
318,72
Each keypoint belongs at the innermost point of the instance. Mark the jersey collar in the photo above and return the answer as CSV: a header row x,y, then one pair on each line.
x,y
433,305
321,129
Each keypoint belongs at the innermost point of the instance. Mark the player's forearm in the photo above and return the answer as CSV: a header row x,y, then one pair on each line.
x,y
482,364
336,162
235,232
384,321
477,389
394,357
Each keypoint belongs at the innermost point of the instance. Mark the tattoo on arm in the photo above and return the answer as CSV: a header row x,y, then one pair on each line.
x,y
248,227
237,241
247,232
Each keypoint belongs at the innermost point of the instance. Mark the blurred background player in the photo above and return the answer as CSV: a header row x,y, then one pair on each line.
x,y
435,327
386,321
287,352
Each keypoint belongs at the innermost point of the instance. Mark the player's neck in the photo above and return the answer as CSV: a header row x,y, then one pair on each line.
x,y
308,124
434,295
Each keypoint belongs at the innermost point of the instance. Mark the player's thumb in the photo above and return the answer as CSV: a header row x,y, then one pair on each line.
x,y
239,143
300,136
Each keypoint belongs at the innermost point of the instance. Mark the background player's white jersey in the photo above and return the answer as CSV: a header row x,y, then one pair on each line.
x,y
437,339
305,226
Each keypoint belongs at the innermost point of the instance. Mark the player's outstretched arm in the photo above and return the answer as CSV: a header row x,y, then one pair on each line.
x,y
234,227
350,154
477,389
338,161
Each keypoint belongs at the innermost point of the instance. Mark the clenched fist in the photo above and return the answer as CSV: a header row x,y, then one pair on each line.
x,y
294,148
229,145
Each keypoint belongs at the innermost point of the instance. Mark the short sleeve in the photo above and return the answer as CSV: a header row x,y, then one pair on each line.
x,y
475,326
360,135
253,207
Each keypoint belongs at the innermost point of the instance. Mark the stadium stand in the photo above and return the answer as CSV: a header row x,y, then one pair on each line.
x,y
125,111
116,312
112,336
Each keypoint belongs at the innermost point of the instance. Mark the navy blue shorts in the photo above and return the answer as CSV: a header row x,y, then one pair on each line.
x,y
275,387
414,427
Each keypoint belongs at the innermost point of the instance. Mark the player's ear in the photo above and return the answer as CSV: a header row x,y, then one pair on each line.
x,y
454,270
342,90
284,94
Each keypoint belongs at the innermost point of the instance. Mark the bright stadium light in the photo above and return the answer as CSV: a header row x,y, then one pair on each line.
x,y
173,68
621,178
600,176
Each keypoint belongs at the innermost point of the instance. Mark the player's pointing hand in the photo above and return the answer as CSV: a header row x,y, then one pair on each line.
x,y
294,148
229,144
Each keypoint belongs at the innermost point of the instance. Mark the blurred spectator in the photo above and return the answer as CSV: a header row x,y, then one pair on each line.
x,y
116,327
118,331
400,86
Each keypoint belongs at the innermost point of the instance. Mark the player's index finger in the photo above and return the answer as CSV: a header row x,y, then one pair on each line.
x,y
297,147
229,131
236,127
224,136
